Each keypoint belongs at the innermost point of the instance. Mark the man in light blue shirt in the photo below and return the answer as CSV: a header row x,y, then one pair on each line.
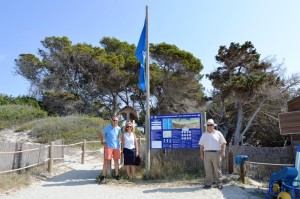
x,y
110,138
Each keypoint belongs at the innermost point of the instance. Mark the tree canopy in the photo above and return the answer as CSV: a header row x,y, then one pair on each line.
x,y
249,93
175,82
101,80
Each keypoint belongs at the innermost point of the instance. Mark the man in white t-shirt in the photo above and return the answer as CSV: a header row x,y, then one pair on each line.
x,y
212,151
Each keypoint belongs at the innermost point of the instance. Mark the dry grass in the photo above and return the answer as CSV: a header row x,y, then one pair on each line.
x,y
14,181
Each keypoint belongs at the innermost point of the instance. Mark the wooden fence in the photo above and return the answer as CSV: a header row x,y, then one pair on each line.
x,y
19,156
262,161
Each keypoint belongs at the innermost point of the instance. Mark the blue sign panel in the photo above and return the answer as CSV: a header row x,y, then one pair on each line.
x,y
180,131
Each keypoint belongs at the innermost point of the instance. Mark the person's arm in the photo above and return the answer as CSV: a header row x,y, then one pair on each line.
x,y
136,145
201,152
102,138
120,136
223,148
122,143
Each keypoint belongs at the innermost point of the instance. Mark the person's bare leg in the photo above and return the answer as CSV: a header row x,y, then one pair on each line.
x,y
116,164
128,171
105,167
133,171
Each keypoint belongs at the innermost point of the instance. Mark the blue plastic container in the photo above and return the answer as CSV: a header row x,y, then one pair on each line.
x,y
239,159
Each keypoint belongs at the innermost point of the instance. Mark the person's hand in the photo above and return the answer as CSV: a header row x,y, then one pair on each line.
x,y
222,154
104,144
201,156
137,154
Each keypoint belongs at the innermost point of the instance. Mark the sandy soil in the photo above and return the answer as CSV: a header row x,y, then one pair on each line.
x,y
9,135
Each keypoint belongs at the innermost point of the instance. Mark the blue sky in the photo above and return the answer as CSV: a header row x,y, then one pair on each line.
x,y
196,26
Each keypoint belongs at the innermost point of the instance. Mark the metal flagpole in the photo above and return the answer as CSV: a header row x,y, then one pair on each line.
x,y
147,118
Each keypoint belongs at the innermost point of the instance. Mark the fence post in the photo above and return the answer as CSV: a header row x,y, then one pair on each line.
x,y
240,160
230,163
83,151
140,142
242,170
51,157
121,156
141,152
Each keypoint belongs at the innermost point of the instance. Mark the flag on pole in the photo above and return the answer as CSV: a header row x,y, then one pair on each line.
x,y
140,54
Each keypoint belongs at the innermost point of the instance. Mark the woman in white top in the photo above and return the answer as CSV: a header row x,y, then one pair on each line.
x,y
130,149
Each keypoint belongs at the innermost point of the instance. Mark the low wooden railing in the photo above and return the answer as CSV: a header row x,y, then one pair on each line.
x,y
247,164
51,157
24,151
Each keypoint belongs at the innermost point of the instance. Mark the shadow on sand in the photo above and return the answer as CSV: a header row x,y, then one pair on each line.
x,y
74,178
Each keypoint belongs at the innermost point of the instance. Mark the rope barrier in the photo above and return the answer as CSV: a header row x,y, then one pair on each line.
x,y
33,165
92,141
66,145
269,164
14,152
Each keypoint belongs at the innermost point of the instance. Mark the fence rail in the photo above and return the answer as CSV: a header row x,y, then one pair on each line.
x,y
50,150
15,152
269,164
261,171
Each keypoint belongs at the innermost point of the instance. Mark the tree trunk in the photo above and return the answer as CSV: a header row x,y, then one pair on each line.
x,y
237,135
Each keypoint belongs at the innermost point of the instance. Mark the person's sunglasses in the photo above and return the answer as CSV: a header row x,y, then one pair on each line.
x,y
128,126
209,125
115,120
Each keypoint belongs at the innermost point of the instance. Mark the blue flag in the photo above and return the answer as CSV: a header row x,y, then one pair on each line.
x,y
140,54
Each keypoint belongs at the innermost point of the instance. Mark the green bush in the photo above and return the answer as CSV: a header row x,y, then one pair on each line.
x,y
70,128
11,115
21,100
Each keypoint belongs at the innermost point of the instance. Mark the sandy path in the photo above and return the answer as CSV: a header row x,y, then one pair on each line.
x,y
79,182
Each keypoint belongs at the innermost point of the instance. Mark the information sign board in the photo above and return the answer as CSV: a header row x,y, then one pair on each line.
x,y
177,131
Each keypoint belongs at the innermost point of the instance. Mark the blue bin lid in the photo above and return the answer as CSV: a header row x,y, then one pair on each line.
x,y
240,158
